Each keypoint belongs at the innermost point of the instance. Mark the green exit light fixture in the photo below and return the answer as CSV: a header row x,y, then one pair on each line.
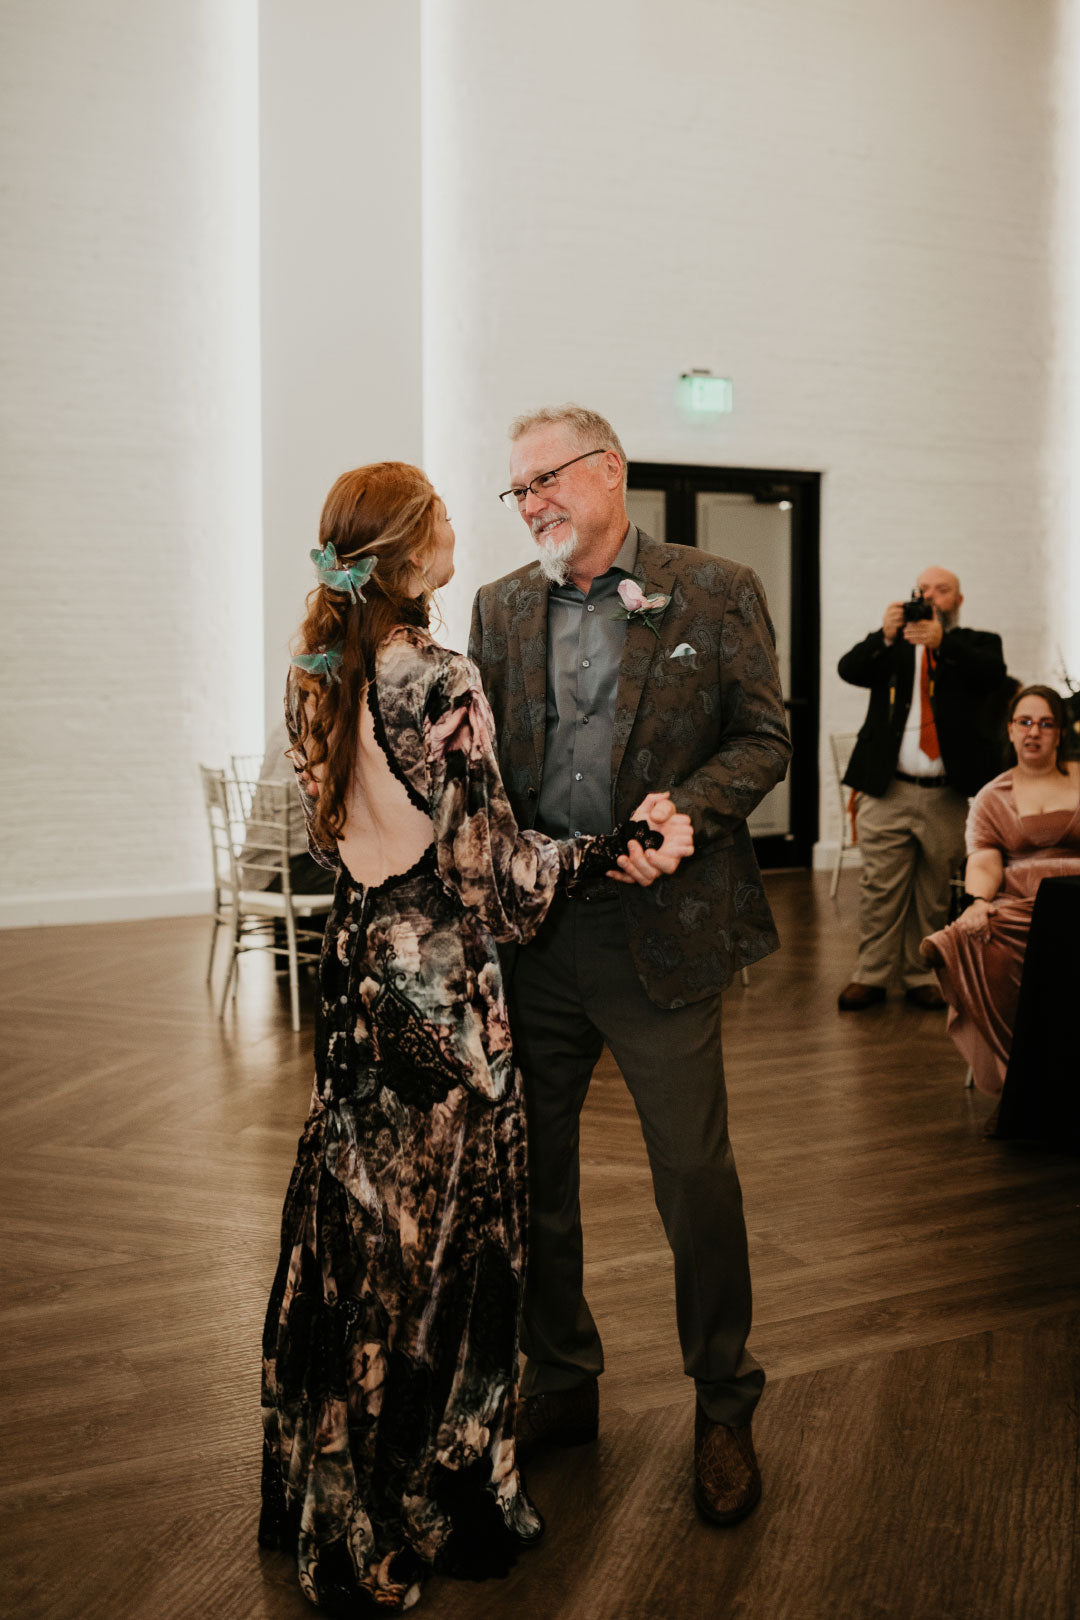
x,y
706,395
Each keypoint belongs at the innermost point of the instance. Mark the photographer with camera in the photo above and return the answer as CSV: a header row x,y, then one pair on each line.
x,y
923,750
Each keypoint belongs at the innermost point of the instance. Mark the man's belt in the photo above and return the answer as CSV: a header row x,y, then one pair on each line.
x,y
921,781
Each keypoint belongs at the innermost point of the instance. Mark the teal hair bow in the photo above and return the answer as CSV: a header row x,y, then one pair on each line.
x,y
325,663
349,580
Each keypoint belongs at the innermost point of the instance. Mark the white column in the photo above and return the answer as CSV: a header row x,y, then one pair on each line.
x,y
340,184
129,496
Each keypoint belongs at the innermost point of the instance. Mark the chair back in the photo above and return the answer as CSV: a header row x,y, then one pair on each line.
x,y
842,744
245,768
271,767
220,816
264,849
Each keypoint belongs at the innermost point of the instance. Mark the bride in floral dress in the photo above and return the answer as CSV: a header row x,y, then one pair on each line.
x,y
390,1343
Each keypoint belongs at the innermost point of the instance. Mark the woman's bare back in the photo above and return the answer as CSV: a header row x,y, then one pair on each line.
x,y
385,833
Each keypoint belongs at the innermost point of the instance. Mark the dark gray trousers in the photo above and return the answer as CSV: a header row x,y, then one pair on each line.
x,y
571,989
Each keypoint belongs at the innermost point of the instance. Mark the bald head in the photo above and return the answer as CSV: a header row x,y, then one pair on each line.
x,y
941,589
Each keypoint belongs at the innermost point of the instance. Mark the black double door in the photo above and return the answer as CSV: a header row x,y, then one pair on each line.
x,y
770,520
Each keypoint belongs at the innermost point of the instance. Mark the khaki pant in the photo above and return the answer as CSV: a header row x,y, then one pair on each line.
x,y
912,840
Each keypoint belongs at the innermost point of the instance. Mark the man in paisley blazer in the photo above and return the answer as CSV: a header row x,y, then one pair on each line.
x,y
616,665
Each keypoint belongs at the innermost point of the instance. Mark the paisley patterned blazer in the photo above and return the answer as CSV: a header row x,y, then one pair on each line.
x,y
709,725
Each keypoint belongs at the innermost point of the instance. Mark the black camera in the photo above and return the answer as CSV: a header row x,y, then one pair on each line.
x,y
917,609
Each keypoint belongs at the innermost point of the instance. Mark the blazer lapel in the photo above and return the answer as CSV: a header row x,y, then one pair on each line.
x,y
530,632
639,651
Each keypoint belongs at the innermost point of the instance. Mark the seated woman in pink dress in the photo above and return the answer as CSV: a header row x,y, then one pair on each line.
x,y
1023,826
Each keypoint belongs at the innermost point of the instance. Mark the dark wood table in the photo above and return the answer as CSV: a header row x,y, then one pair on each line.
x,y
1041,1099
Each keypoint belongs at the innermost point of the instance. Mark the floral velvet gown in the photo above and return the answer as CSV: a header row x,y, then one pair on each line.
x,y
390,1343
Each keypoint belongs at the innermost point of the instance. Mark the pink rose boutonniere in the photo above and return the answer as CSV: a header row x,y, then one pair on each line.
x,y
637,605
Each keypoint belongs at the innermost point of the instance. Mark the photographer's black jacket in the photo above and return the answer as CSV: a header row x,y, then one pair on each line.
x,y
969,681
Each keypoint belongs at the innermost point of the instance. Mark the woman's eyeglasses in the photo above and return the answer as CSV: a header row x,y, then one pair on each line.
x,y
1025,722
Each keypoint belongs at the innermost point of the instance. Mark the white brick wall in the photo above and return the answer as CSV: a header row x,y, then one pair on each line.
x,y
849,209
129,495
864,213
340,155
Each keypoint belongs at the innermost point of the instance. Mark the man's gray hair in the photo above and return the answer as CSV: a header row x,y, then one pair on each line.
x,y
591,431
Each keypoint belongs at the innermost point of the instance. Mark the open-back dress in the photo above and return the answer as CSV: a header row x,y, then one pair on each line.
x,y
390,1344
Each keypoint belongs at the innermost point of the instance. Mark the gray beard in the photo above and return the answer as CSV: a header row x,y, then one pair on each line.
x,y
555,558
949,621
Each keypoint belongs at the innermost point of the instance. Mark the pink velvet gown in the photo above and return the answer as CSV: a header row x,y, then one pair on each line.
x,y
981,979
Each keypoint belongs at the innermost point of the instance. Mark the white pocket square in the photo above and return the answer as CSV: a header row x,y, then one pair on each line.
x,y
683,650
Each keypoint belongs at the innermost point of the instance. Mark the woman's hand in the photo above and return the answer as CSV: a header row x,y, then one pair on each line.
x,y
298,760
976,919
644,866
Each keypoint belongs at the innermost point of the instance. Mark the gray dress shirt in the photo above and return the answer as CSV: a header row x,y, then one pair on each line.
x,y
585,645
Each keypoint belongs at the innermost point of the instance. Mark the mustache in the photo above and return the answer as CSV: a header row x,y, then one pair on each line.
x,y
539,522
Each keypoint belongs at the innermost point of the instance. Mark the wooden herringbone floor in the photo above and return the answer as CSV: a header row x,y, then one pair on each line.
x,y
916,1308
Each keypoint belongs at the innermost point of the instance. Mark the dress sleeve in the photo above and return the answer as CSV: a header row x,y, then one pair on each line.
x,y
986,820
508,876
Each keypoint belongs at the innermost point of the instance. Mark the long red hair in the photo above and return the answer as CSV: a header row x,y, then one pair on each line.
x,y
388,511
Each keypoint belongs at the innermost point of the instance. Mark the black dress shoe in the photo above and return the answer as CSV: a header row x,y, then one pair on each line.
x,y
854,997
563,1417
926,995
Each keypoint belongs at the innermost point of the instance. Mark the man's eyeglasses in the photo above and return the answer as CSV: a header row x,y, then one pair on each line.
x,y
1026,722
518,494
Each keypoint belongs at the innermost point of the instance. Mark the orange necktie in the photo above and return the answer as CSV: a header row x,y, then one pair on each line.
x,y
928,739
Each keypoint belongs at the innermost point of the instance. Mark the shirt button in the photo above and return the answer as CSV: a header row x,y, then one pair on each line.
x,y
590,607
577,776
584,663
584,719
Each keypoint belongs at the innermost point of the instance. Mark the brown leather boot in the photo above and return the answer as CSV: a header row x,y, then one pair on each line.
x,y
727,1481
562,1417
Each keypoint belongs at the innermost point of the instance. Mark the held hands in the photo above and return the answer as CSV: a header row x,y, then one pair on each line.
x,y
976,919
644,866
